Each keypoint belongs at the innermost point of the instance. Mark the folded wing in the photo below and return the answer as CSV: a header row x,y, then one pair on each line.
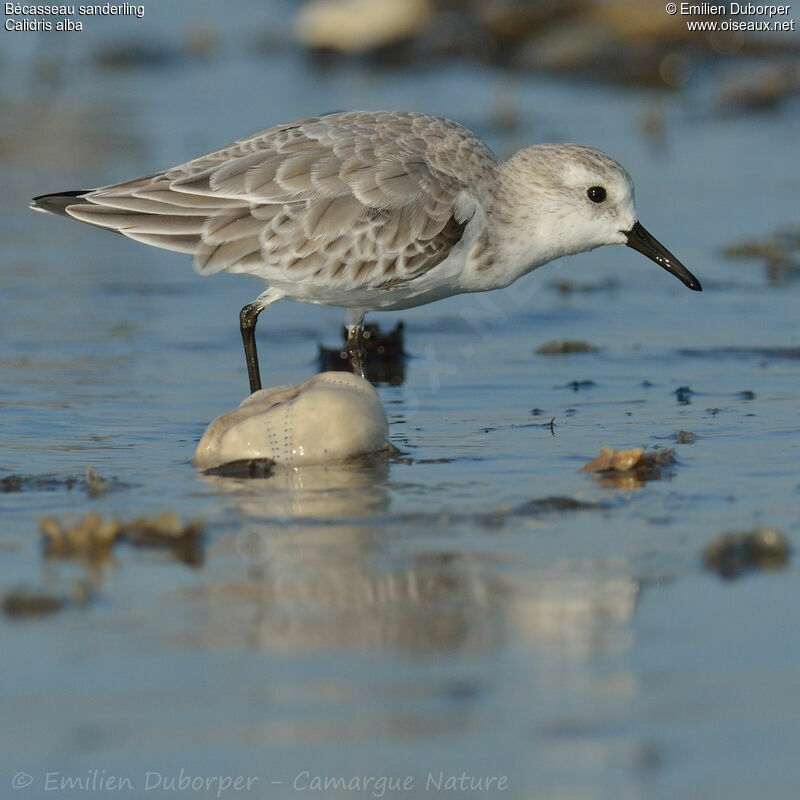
x,y
355,199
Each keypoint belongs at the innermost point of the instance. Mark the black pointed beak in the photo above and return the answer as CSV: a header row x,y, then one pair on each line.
x,y
639,239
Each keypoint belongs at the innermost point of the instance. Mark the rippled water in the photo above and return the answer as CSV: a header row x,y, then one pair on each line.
x,y
435,613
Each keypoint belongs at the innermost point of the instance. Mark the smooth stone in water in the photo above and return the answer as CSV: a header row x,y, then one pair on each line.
x,y
360,26
332,416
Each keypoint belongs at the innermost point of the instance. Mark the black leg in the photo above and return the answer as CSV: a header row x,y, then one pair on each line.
x,y
248,317
356,352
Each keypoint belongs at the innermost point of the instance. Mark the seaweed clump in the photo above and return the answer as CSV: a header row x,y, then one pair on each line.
x,y
629,469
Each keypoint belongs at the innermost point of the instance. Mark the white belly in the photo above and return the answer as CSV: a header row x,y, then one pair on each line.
x,y
457,274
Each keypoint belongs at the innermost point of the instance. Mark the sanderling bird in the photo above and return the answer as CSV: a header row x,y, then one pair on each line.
x,y
373,210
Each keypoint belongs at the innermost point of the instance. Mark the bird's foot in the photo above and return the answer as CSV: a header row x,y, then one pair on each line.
x,y
357,356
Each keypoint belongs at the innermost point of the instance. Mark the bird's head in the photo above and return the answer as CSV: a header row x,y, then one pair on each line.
x,y
568,198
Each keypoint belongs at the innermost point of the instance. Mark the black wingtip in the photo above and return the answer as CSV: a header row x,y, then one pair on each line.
x,y
56,203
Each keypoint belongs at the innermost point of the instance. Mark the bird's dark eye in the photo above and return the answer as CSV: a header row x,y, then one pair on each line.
x,y
596,194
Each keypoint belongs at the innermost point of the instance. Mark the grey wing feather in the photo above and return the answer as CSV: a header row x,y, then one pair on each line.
x,y
355,198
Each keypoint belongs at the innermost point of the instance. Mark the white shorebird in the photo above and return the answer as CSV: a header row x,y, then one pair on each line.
x,y
372,210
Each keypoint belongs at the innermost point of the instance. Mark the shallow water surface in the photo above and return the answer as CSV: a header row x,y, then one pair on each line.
x,y
473,605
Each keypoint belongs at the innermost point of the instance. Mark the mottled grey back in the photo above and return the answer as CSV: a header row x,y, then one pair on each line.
x,y
354,198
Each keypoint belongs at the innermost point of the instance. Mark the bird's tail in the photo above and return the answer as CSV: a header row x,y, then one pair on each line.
x,y
56,203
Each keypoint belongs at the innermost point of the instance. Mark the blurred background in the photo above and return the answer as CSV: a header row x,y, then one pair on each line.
x,y
474,604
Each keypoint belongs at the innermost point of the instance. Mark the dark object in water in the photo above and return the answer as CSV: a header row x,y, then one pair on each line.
x,y
555,504
685,437
30,603
245,468
25,603
166,531
92,483
564,346
735,553
139,55
763,89
576,386
779,252
568,287
385,357
684,395
36,483
766,353
552,505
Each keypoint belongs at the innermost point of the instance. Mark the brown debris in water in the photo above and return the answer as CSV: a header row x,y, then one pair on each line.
x,y
540,507
167,531
610,459
91,482
89,538
629,469
36,483
764,88
245,468
779,252
567,286
92,538
25,603
734,553
31,603
565,346
95,485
